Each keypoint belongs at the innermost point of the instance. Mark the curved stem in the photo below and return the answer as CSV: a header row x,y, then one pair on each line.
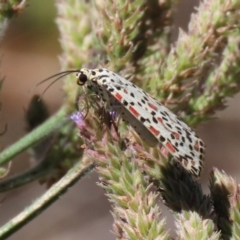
x,y
73,175
33,174
34,136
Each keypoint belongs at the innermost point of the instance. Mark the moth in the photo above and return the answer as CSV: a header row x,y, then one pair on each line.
x,y
153,122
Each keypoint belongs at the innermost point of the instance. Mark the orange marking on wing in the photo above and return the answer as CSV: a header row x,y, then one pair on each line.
x,y
176,135
152,106
118,96
125,90
160,119
196,146
134,112
170,147
154,131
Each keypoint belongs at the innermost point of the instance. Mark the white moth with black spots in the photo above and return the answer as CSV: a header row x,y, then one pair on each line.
x,y
151,120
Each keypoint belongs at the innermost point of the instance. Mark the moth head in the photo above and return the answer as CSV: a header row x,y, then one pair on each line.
x,y
83,76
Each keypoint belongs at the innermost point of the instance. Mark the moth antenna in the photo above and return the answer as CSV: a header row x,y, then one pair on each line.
x,y
64,73
58,75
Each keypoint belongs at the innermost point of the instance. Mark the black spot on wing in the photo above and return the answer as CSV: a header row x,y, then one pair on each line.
x,y
142,119
162,139
154,120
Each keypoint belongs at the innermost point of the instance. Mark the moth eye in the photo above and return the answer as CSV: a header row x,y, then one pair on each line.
x,y
82,78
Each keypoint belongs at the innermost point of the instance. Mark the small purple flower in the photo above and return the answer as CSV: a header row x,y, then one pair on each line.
x,y
78,118
113,115
85,130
